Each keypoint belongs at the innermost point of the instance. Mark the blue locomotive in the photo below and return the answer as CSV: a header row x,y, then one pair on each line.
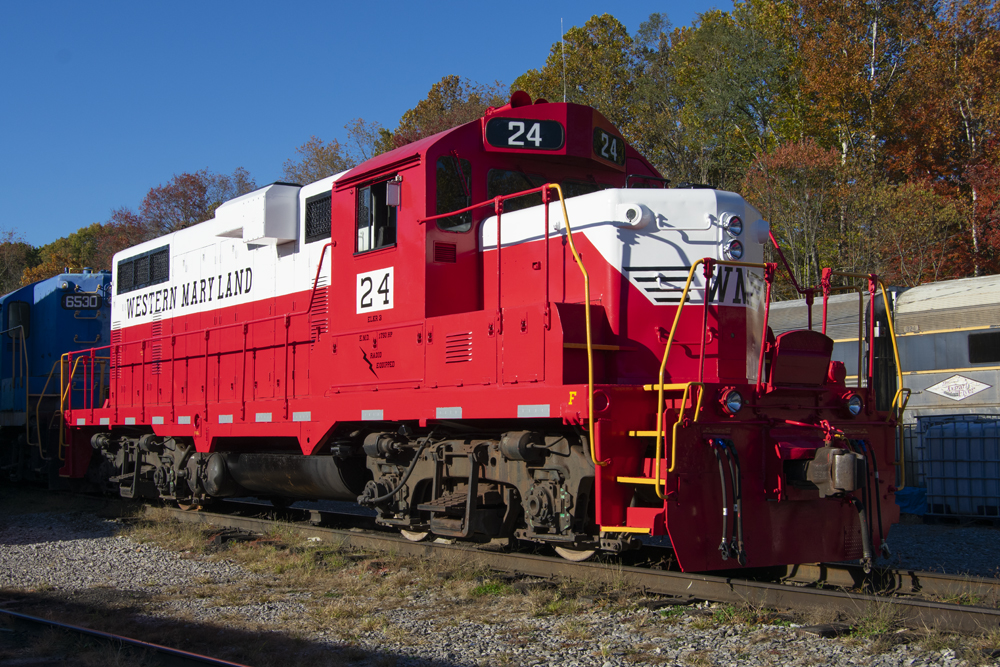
x,y
39,323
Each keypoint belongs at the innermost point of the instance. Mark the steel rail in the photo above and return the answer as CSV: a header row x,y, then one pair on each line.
x,y
888,580
917,614
176,657
884,581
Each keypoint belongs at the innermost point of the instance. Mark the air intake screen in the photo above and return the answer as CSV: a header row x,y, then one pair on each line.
x,y
149,268
126,277
318,218
161,266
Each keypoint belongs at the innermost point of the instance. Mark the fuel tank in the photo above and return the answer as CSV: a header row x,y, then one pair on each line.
x,y
286,475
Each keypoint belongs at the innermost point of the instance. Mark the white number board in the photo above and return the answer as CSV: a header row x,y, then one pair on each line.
x,y
374,290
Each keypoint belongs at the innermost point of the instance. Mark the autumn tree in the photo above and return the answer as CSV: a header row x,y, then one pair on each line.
x,y
734,81
795,187
594,65
452,101
190,198
73,252
855,57
317,160
367,139
950,124
916,232
185,200
15,257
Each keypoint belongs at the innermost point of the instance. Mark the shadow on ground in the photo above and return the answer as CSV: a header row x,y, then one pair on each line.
x,y
120,612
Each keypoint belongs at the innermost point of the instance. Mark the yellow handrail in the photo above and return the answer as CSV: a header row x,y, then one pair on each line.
x,y
38,408
680,418
586,316
902,396
64,390
586,290
900,390
670,341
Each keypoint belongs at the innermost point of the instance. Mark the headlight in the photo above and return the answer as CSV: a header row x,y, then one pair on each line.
x,y
732,402
734,250
733,224
855,405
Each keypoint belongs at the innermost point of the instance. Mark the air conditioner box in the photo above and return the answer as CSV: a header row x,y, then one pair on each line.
x,y
268,216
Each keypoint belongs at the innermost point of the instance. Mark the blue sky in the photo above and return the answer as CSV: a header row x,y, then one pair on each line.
x,y
103,100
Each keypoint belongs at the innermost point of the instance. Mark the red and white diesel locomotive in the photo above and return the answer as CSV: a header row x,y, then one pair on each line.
x,y
508,329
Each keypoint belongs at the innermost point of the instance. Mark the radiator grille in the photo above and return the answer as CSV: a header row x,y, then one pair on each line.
x,y
458,347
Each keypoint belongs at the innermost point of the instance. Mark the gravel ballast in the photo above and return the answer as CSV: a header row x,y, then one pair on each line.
x,y
76,555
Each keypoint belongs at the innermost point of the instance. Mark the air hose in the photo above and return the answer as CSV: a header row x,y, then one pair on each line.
x,y
724,545
866,541
367,502
737,477
858,447
884,548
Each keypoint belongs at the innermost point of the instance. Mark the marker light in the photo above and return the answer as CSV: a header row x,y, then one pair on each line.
x,y
734,250
732,402
855,405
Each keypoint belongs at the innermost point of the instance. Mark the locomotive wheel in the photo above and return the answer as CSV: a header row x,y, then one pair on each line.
x,y
415,535
575,555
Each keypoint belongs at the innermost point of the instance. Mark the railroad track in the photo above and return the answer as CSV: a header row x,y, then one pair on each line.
x,y
832,587
161,656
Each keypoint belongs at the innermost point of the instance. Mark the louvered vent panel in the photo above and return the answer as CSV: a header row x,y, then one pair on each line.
x,y
157,345
444,252
116,338
458,347
318,311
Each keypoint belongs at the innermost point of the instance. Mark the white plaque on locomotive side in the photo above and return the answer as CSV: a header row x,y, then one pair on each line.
x,y
375,291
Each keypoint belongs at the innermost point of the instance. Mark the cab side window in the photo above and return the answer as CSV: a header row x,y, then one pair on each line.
x,y
377,215
453,193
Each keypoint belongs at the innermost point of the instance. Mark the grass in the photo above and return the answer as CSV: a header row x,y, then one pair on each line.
x,y
490,588
878,626
671,614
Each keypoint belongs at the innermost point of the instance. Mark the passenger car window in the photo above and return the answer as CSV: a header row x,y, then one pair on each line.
x,y
376,219
984,348
453,193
